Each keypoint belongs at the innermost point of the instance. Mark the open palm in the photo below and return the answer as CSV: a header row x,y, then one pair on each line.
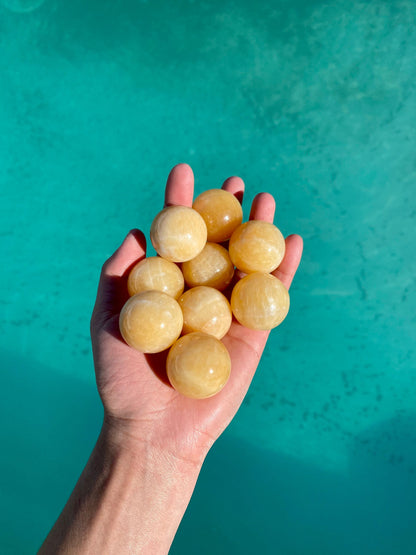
x,y
137,397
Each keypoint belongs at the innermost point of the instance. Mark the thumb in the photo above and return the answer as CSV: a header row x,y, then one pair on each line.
x,y
112,288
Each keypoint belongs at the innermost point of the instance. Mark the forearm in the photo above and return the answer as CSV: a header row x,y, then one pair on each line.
x,y
127,501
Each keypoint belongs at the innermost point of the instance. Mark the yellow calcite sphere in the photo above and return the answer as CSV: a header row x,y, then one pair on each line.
x,y
198,365
151,321
212,267
221,211
205,309
257,246
260,301
156,274
178,233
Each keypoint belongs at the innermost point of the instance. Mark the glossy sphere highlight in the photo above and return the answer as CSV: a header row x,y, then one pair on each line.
x,y
178,233
212,267
260,301
151,321
205,309
198,365
156,274
221,211
257,246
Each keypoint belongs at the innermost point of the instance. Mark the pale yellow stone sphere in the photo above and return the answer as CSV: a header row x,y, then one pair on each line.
x,y
205,309
151,321
221,211
257,246
178,233
260,301
198,365
156,274
212,267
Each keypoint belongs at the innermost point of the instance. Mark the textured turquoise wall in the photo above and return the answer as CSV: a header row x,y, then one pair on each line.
x,y
312,101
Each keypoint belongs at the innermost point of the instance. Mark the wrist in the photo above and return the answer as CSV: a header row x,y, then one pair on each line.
x,y
155,487
130,498
142,440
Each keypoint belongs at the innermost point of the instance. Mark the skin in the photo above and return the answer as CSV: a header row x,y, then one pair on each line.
x,y
153,440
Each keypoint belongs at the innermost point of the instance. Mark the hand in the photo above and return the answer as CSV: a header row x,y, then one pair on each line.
x,y
140,406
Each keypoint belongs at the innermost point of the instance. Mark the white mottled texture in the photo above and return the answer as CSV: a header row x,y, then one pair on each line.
x,y
178,233
156,274
257,246
212,267
151,321
198,365
260,301
205,309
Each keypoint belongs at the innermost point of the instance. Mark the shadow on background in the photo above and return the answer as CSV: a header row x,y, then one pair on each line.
x,y
247,499
250,500
50,423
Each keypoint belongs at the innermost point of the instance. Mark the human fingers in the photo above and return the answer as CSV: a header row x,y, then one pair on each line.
x,y
293,254
263,207
234,185
112,288
180,186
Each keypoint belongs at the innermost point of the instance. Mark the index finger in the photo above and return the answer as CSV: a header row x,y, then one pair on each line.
x,y
180,186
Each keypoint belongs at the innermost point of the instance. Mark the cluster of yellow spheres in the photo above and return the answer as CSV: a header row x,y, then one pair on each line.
x,y
159,315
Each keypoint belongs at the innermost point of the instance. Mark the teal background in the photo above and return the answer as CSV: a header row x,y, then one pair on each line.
x,y
312,101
